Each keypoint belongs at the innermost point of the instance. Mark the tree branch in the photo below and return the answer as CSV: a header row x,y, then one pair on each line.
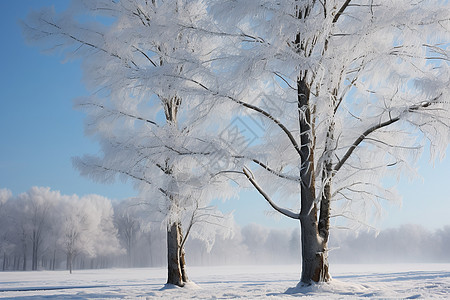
x,y
83,42
120,113
164,192
281,210
246,105
363,136
341,11
145,55
269,169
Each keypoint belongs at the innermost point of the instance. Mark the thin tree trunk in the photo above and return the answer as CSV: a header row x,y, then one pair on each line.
x,y
33,258
34,255
33,252
4,261
54,259
129,255
24,268
183,266
69,262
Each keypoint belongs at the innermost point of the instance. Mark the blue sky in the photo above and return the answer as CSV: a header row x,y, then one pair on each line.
x,y
40,132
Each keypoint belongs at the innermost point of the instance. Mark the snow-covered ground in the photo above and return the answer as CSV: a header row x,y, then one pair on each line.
x,y
394,281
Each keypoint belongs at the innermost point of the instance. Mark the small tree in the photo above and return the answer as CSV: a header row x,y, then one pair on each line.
x,y
36,219
87,228
73,237
129,228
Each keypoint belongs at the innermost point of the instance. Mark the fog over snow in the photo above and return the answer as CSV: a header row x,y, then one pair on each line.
x,y
255,244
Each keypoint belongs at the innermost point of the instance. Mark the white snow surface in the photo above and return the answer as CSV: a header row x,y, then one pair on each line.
x,y
394,281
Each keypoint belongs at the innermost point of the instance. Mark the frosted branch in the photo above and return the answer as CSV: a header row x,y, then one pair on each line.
x,y
281,210
341,11
118,112
259,110
374,128
270,170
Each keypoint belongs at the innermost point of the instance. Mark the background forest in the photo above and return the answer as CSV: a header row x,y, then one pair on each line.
x,y
39,229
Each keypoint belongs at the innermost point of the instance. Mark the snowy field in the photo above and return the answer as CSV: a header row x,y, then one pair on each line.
x,y
394,281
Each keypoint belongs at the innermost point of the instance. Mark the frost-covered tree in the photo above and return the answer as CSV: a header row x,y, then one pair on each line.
x,y
38,209
72,237
348,93
129,228
42,222
27,225
87,228
150,131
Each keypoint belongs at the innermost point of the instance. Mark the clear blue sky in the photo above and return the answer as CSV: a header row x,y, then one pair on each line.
x,y
40,133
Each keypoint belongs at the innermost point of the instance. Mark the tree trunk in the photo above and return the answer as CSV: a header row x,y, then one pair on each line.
x,y
4,261
33,258
175,256
69,262
314,253
54,259
314,241
183,266
24,267
35,248
314,245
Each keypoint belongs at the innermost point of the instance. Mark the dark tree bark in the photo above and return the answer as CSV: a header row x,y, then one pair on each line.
x,y
69,262
314,241
175,256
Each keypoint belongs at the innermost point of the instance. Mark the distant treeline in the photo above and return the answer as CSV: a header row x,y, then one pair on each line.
x,y
42,229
